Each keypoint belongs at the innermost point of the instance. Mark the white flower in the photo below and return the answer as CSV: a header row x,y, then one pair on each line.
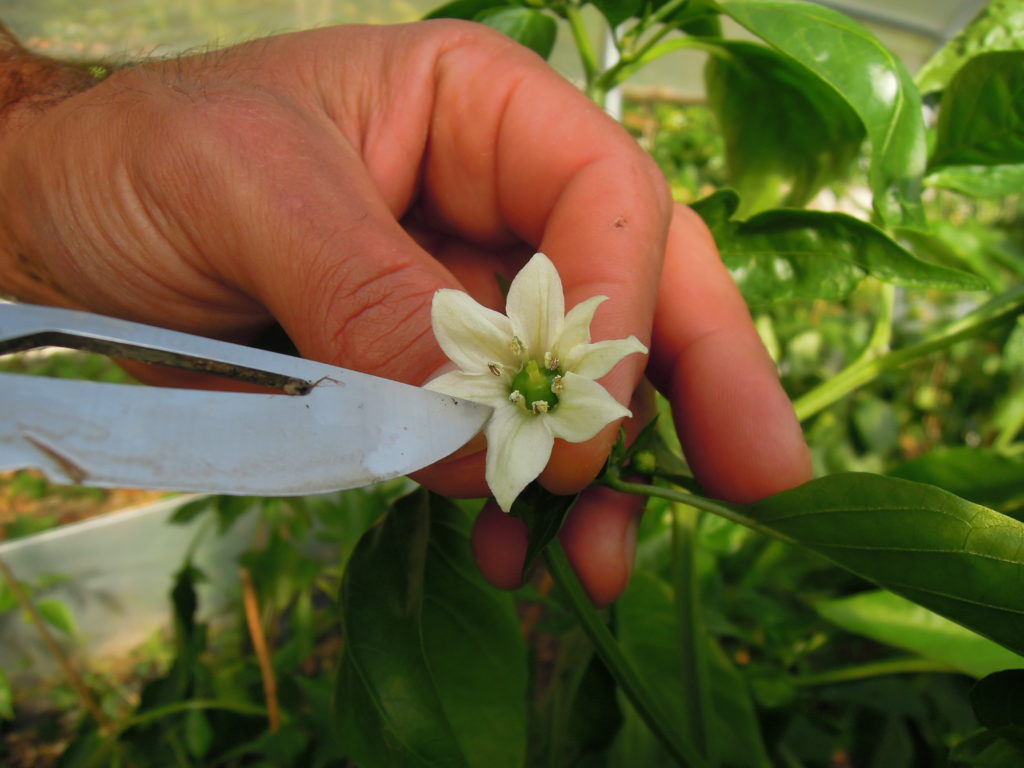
x,y
536,368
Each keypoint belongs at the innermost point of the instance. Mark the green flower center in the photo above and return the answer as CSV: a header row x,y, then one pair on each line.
x,y
535,388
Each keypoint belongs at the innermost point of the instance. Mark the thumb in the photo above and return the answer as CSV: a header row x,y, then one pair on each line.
x,y
307,233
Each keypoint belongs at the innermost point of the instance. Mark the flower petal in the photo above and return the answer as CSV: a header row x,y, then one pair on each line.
x,y
478,387
518,448
577,325
595,360
584,408
469,333
536,305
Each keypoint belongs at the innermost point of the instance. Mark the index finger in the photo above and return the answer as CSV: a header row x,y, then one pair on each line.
x,y
736,424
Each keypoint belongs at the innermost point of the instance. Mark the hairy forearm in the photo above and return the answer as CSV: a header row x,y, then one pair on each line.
x,y
31,83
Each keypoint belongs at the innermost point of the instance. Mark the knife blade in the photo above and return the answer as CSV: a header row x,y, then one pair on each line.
x,y
337,429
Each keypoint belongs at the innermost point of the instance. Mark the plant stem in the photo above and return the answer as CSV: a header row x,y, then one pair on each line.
x,y
904,666
76,681
868,367
259,644
692,637
158,713
720,508
632,685
629,64
663,13
880,342
588,56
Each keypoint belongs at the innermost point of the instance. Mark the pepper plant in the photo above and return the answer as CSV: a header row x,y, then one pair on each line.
x,y
875,615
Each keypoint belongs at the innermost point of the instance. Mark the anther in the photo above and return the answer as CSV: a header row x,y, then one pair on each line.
x,y
518,347
540,406
494,368
551,362
557,385
516,397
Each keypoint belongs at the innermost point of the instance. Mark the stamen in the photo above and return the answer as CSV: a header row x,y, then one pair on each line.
x,y
518,347
494,368
516,397
551,362
557,385
540,406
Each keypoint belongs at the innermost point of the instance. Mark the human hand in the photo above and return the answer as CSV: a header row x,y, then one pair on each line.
x,y
333,180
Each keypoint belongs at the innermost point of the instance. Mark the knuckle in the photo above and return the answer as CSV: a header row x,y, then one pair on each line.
x,y
381,316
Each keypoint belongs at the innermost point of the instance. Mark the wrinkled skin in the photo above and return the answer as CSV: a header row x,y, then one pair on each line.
x,y
332,180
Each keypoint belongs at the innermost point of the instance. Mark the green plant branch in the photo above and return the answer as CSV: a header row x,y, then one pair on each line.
x,y
653,48
588,56
74,679
606,647
692,635
730,512
662,13
176,707
903,666
631,62
868,367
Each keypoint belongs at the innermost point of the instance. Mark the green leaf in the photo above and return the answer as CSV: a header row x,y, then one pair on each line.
x,y
698,18
579,714
57,614
28,525
433,672
779,150
949,244
618,11
230,508
980,475
959,559
6,697
648,632
896,621
1013,349
543,513
191,510
983,181
981,116
198,733
529,27
464,9
793,254
877,423
872,80
8,600
988,749
998,27
997,701
87,749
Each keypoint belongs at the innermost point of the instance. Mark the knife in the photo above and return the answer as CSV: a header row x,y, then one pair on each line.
x,y
323,428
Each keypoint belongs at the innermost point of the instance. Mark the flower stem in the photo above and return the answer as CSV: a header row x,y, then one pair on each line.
x,y
625,674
